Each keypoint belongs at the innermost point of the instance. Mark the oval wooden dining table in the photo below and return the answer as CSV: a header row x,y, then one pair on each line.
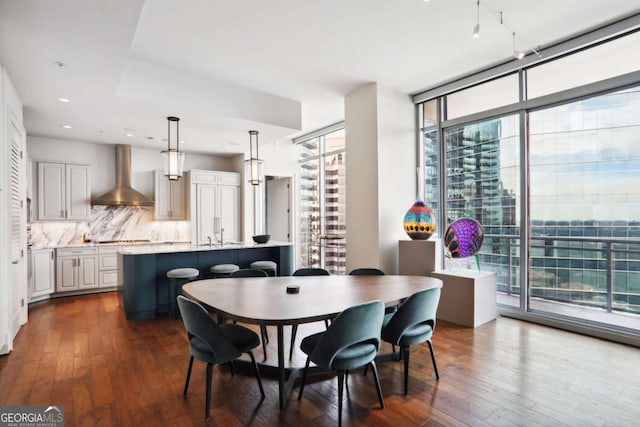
x,y
265,301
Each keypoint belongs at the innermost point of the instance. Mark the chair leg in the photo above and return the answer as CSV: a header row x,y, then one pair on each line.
x,y
433,359
172,296
265,340
304,378
340,393
405,356
255,368
376,379
207,410
294,330
186,384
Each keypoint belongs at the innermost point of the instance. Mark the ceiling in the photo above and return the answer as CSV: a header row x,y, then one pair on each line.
x,y
282,67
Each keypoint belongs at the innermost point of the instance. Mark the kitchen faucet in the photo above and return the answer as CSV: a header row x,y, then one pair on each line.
x,y
209,237
221,237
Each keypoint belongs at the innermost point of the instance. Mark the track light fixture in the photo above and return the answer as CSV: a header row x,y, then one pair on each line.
x,y
476,29
518,54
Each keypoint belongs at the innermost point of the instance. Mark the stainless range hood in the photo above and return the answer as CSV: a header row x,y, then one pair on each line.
x,y
123,194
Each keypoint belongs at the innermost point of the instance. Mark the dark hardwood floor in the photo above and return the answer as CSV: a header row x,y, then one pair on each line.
x,y
80,352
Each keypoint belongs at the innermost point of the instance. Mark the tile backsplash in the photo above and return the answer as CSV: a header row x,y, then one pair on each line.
x,y
110,223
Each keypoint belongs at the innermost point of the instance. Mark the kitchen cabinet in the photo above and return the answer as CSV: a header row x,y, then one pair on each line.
x,y
76,269
169,198
215,206
108,264
64,191
41,274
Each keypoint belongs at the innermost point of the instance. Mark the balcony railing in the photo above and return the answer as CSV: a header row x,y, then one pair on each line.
x,y
593,272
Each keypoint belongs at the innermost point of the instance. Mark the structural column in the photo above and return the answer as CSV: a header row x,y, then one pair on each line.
x,y
381,160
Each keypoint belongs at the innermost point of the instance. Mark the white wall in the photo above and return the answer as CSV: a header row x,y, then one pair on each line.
x,y
381,174
280,159
361,134
397,176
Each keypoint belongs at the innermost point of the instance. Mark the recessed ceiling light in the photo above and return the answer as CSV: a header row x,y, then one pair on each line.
x,y
227,148
129,135
65,100
182,142
66,126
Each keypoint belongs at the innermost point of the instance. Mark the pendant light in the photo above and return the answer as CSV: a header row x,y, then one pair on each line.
x,y
173,157
254,161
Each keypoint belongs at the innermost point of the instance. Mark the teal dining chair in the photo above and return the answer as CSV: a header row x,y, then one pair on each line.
x,y
412,324
351,341
214,344
250,272
309,271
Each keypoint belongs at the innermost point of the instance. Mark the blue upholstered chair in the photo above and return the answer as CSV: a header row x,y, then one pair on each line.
x,y
249,272
214,344
366,271
413,323
352,341
369,271
305,272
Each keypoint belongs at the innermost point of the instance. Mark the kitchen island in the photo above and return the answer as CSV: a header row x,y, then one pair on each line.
x,y
143,286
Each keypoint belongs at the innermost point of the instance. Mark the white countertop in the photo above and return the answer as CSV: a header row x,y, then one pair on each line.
x,y
188,247
93,244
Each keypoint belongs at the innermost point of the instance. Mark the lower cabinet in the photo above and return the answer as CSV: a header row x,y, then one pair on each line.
x,y
76,269
41,276
108,266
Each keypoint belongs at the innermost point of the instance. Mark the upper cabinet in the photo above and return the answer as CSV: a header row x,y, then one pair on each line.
x,y
169,195
64,192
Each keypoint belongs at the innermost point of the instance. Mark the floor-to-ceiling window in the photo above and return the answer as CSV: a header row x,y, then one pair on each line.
x,y
482,182
549,164
323,201
584,168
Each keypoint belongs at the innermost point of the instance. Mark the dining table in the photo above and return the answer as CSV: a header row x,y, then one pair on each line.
x,y
294,300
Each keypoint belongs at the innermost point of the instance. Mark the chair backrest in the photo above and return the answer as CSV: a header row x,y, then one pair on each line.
x,y
311,272
359,324
419,308
248,272
200,325
366,271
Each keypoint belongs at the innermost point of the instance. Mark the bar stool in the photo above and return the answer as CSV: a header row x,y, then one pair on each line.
x,y
175,276
223,270
269,267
